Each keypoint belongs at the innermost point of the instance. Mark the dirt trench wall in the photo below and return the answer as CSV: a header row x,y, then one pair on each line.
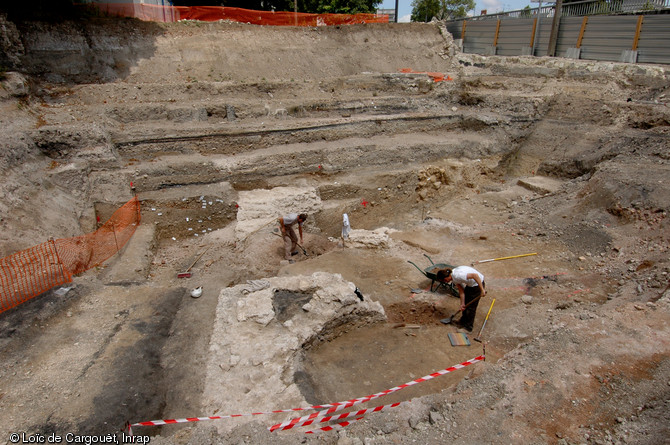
x,y
11,48
111,49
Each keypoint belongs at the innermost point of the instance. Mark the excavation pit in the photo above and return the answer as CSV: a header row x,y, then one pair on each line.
x,y
375,358
330,117
286,303
187,218
418,312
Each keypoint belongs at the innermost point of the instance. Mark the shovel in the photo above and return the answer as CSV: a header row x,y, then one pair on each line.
x,y
448,319
187,272
298,244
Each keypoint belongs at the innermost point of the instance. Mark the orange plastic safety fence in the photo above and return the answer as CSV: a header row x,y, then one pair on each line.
x,y
437,77
214,13
33,271
84,252
30,272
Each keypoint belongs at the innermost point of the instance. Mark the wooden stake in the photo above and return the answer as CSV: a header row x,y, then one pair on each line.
x,y
581,32
637,32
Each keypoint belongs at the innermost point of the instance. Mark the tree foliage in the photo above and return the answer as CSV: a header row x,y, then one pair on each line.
x,y
425,10
339,6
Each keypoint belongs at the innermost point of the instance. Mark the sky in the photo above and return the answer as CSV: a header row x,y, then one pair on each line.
x,y
405,6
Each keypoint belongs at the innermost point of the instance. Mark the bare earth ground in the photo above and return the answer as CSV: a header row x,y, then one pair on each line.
x,y
566,159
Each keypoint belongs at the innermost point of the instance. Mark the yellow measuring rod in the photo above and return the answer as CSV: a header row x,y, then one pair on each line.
x,y
505,258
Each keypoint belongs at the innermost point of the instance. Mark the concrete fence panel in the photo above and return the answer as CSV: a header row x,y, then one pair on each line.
x,y
654,42
617,38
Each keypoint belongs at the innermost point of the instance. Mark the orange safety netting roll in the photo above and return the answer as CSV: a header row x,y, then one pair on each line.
x,y
30,272
33,271
214,13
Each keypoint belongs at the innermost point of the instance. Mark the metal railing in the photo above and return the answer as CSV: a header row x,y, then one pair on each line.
x,y
613,7
545,11
588,7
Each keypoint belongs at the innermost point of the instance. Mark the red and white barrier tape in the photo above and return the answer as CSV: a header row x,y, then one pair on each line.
x,y
329,408
358,414
349,403
338,426
322,416
578,291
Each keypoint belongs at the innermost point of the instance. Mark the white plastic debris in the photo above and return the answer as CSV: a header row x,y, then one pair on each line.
x,y
62,291
346,228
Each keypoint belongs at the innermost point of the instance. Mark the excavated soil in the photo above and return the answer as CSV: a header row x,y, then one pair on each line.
x,y
561,158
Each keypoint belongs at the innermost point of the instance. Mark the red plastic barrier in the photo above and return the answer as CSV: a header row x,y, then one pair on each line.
x,y
216,13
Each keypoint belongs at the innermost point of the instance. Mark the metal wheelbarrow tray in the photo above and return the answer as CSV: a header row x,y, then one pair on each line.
x,y
431,273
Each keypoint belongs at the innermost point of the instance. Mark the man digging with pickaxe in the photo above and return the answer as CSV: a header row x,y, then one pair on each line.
x,y
286,224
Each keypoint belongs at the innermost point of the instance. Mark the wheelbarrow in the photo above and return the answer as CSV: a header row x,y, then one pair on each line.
x,y
431,273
